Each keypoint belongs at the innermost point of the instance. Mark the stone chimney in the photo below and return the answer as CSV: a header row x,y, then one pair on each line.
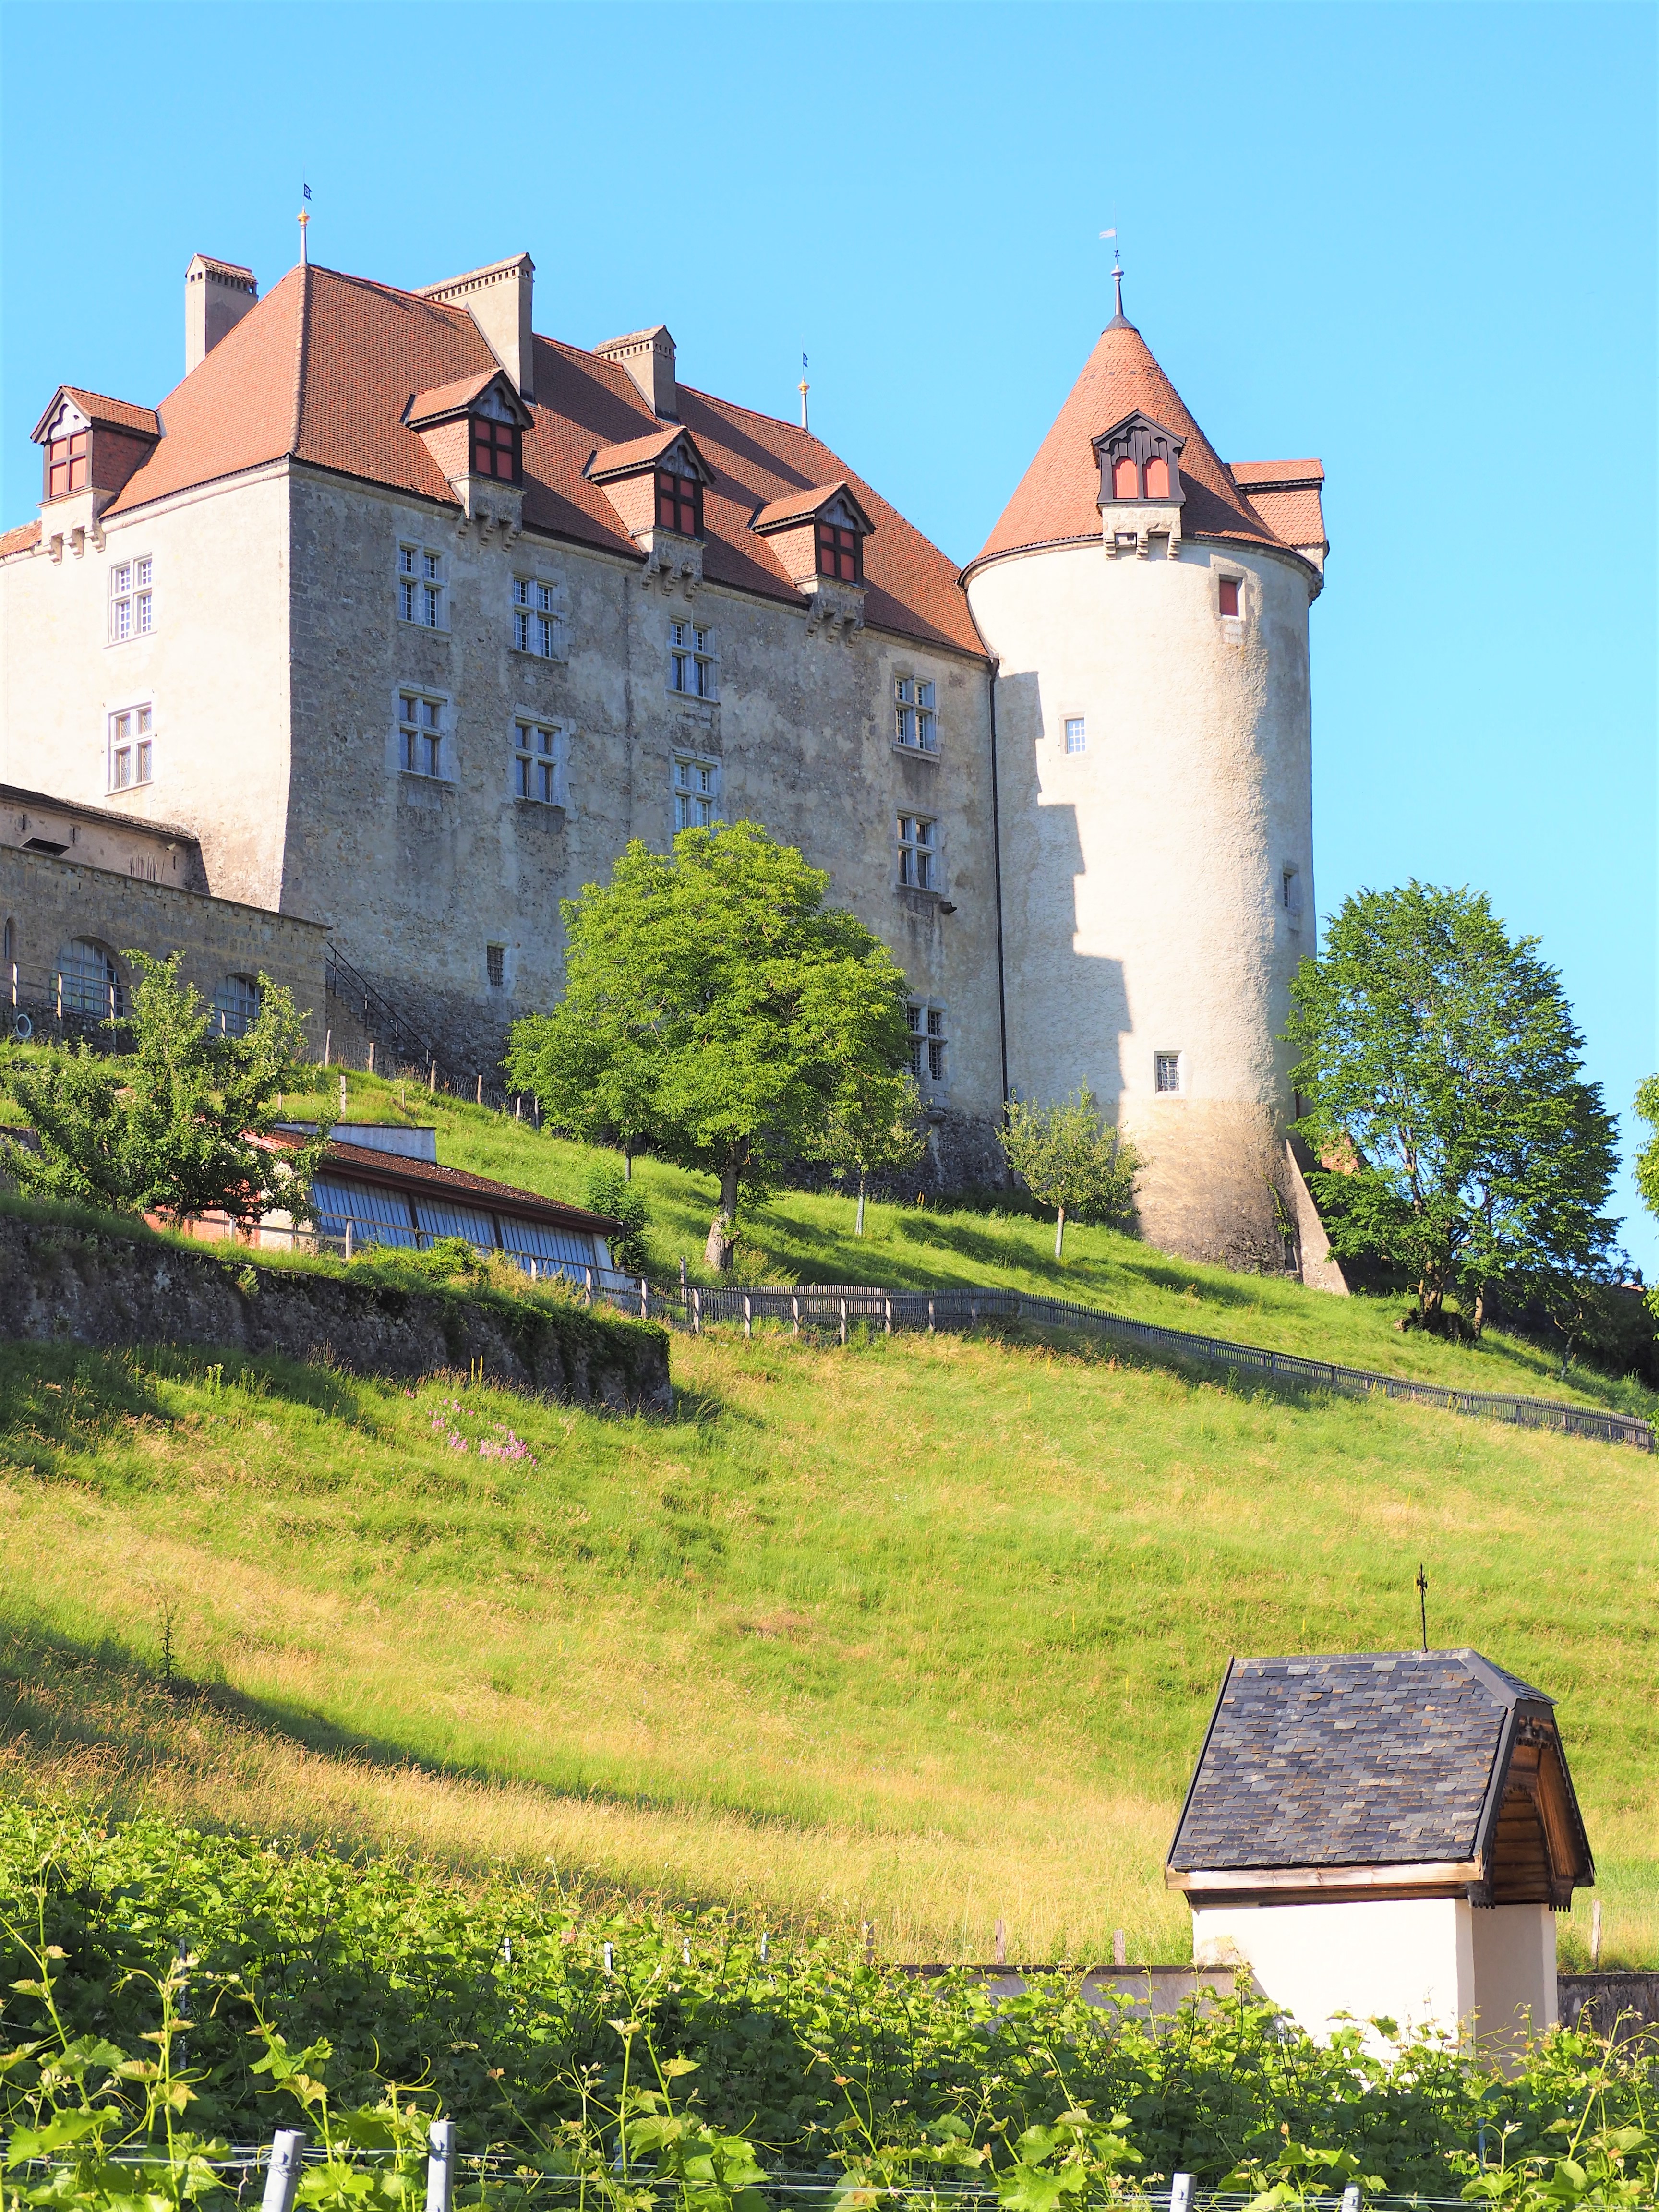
x,y
648,357
498,299
217,295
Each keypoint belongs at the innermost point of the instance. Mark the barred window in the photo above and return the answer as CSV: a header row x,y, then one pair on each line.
x,y
918,852
696,792
132,747
421,734
1167,1072
538,763
495,966
131,602
420,587
691,659
915,719
927,1043
535,618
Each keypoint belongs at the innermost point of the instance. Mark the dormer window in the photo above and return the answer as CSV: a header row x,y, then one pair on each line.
x,y
679,503
66,464
838,553
1139,459
495,450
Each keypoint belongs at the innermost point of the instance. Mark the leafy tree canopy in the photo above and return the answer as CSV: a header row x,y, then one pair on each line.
x,y
1069,1157
715,1006
170,1130
875,1125
1441,1072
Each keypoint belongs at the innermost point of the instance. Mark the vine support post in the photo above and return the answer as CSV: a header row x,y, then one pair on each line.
x,y
696,1312
440,2166
1351,2197
1180,2192
282,2173
844,1321
748,1314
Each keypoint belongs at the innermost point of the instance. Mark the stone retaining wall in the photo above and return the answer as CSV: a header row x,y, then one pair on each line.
x,y
63,1282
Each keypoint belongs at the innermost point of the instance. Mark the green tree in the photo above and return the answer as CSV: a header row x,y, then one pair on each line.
x,y
170,1130
1069,1157
1646,1164
713,989
610,1190
874,1126
1441,1072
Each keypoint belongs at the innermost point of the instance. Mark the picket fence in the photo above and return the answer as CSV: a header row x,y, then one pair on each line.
x,y
841,1308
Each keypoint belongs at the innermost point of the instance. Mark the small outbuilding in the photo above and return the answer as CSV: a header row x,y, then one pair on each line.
x,y
1384,1834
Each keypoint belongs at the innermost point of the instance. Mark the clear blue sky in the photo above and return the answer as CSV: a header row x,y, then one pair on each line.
x,y
1418,242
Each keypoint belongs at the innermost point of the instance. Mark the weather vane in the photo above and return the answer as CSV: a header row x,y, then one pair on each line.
x,y
1117,265
803,387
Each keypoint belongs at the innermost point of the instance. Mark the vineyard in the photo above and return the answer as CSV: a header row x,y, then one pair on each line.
x,y
262,1986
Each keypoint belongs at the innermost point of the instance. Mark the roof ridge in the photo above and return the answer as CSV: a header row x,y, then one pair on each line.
x,y
378,284
301,330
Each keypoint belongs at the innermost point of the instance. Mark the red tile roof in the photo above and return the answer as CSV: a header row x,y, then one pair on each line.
x,y
634,453
1277,475
113,414
25,535
800,507
1057,497
1286,494
450,399
324,367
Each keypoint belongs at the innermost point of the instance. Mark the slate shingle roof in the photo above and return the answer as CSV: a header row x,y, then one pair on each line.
x,y
1360,1758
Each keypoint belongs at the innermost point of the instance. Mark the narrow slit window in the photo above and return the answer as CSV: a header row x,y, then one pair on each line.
x,y
1229,595
495,966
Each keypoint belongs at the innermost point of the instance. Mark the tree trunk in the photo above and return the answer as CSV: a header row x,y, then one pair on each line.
x,y
1478,1318
1060,1233
722,1244
857,1226
627,1159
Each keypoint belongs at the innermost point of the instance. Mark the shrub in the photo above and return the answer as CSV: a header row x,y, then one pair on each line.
x,y
608,1192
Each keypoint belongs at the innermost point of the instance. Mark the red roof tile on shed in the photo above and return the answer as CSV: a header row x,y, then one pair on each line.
x,y
1058,496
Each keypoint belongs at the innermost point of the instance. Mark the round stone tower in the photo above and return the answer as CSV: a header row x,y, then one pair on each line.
x,y
1147,605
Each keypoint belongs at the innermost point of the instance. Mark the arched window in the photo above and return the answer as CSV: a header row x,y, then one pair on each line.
x,y
1126,477
1158,477
91,980
235,1006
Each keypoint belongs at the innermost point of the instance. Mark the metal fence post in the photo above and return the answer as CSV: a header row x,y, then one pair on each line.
x,y
282,2172
1180,2192
794,1313
440,2166
844,1321
748,1314
886,1316
932,1322
1351,2197
697,1313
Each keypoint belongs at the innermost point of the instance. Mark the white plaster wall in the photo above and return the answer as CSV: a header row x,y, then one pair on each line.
x,y
215,670
1411,1960
1142,879
1515,1968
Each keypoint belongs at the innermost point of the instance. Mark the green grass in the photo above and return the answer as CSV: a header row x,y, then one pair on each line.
x,y
925,1632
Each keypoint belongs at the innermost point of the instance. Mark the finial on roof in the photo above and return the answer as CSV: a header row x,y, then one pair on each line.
x,y
1119,318
803,387
304,218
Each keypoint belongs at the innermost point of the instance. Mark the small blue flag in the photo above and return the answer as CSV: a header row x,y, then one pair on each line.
x,y
306,189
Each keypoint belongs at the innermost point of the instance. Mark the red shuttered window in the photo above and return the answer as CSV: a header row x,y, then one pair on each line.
x,y
1158,477
1229,595
679,503
66,464
838,552
1126,478
495,449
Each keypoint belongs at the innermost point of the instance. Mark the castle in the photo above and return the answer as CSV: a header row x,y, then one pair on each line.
x,y
396,620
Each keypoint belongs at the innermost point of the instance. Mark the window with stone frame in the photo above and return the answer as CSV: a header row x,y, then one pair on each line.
x,y
916,714
928,1043
495,966
1228,598
422,739
421,587
691,659
131,746
1167,1074
1076,734
918,852
131,599
696,792
538,759
536,617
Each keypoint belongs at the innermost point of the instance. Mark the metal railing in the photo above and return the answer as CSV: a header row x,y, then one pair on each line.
x,y
54,1005
842,1308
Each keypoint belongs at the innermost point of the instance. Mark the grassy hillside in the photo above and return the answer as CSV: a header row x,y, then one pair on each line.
x,y
925,1632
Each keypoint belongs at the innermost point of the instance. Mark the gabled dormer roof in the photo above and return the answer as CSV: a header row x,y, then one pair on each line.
x,y
1432,1769
834,502
488,392
673,448
100,412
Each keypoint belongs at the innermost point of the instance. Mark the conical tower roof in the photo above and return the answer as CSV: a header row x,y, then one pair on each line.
x,y
1057,501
